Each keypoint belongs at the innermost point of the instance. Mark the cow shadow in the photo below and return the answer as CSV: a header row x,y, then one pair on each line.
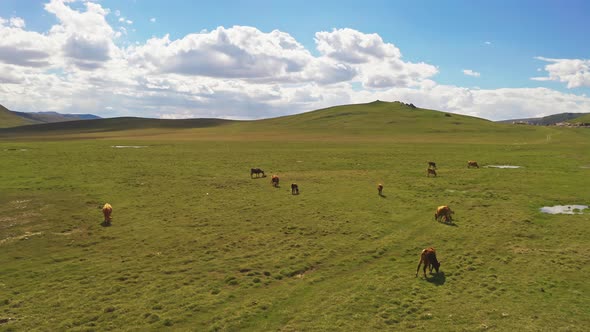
x,y
106,223
449,223
438,279
382,196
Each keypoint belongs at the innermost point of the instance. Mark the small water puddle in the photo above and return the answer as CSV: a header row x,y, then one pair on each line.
x,y
564,209
129,146
503,166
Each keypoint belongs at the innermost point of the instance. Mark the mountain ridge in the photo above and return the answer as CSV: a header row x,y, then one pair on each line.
x,y
10,118
547,120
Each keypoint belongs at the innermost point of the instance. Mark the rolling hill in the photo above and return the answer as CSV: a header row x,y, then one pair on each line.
x,y
375,121
112,124
582,119
548,120
376,118
10,118
50,117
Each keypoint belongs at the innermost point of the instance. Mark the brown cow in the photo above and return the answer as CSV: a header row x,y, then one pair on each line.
x,y
294,189
443,211
432,164
380,189
472,163
430,171
428,257
107,210
275,180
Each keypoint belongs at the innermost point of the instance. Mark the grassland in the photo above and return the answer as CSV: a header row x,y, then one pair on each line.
x,y
196,244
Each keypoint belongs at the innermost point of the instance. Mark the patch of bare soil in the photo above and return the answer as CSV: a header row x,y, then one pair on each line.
x,y
25,236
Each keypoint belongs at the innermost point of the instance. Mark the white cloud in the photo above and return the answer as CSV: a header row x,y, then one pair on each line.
x,y
234,53
574,72
238,72
153,19
351,46
17,22
129,22
378,64
117,13
488,42
470,72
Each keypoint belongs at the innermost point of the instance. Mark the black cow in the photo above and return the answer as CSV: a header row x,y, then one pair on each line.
x,y
256,171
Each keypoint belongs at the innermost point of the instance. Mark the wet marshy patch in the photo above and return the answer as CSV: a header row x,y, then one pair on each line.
x,y
129,146
564,209
502,166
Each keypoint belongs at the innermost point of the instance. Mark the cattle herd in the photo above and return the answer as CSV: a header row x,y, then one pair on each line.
x,y
427,256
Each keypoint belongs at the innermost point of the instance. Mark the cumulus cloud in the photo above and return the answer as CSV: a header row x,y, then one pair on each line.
x,y
378,64
23,48
351,46
236,72
470,72
23,57
17,22
153,19
574,72
233,53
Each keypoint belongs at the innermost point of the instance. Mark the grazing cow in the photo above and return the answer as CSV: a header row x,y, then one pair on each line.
x,y
428,257
294,189
432,164
107,210
275,180
443,211
380,189
256,171
472,163
430,171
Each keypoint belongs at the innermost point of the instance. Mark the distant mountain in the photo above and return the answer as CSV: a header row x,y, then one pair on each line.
x,y
112,124
10,118
49,117
547,120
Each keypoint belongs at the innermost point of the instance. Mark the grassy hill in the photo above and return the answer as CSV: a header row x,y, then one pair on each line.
x,y
548,120
376,121
10,119
13,119
581,119
376,117
49,117
197,244
110,125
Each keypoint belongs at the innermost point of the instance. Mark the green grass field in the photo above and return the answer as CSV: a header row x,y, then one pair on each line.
x,y
196,244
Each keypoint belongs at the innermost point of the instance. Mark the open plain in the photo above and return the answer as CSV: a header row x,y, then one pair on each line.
x,y
197,244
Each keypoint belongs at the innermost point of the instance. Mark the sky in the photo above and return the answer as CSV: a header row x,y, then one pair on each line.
x,y
255,59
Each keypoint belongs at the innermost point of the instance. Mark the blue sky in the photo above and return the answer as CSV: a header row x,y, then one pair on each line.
x,y
482,58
